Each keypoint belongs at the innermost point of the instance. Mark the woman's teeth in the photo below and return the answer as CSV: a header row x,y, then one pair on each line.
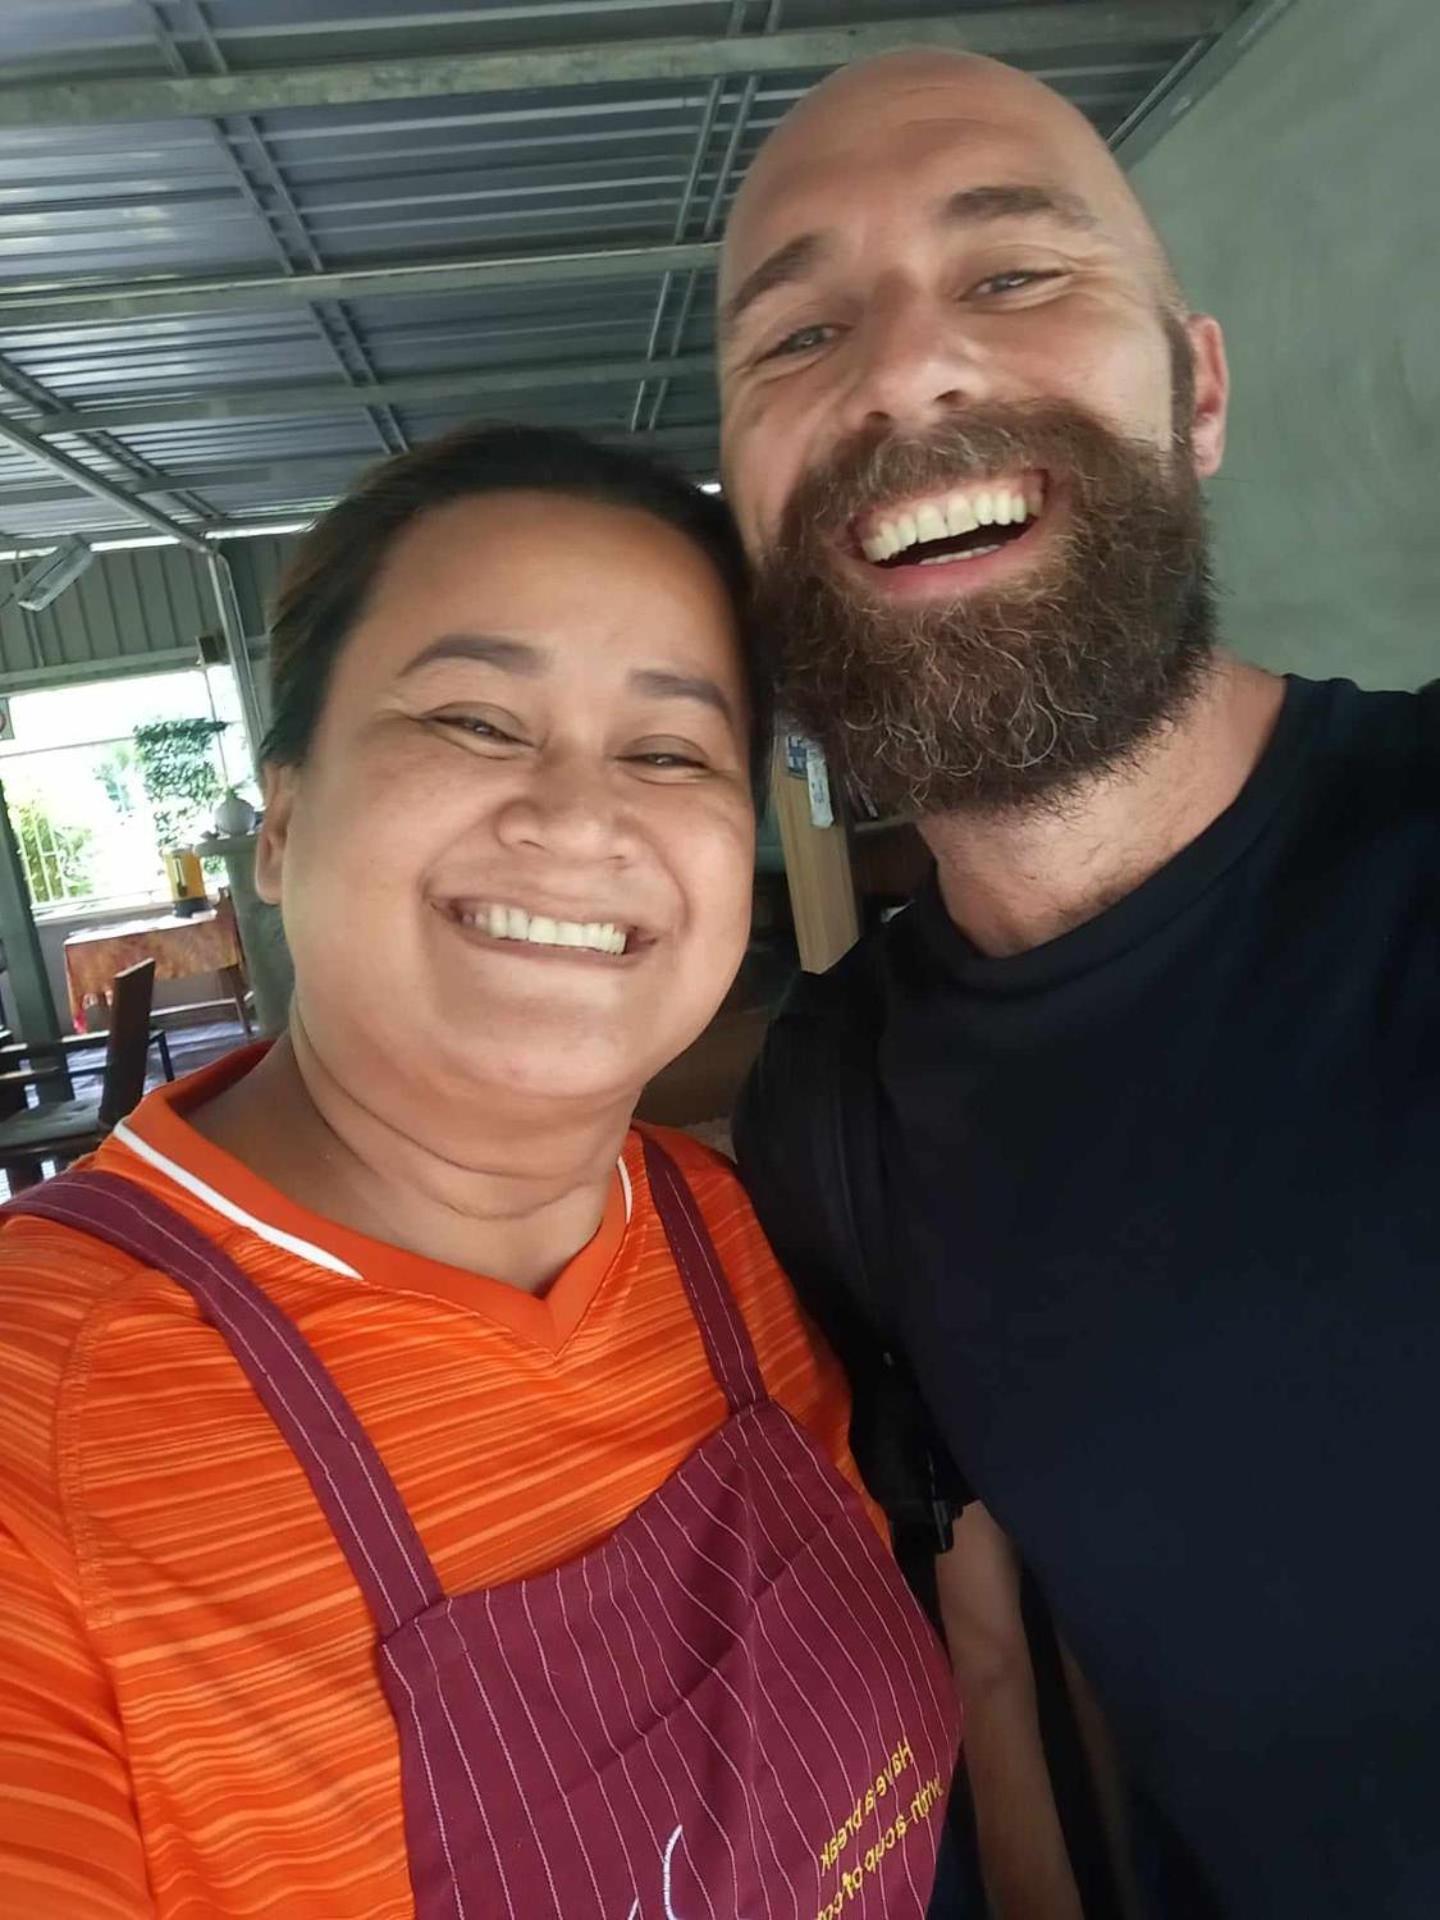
x,y
540,930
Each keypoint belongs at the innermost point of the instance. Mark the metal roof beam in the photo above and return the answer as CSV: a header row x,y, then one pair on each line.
x,y
1191,78
14,435
17,384
387,430
739,10
328,397
56,304
1016,32
343,466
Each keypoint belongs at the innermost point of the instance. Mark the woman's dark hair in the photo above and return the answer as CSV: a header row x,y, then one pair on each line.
x,y
324,589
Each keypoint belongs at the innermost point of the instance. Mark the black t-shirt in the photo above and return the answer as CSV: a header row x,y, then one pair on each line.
x,y
1162,1204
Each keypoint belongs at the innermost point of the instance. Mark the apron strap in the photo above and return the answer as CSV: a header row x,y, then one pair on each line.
x,y
356,1494
722,1327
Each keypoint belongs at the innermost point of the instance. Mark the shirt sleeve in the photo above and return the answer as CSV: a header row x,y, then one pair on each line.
x,y
69,1840
70,1844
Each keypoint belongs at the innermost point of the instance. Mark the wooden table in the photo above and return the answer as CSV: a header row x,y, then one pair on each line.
x,y
204,943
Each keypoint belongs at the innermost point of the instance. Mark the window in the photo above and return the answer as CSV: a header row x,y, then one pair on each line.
x,y
74,786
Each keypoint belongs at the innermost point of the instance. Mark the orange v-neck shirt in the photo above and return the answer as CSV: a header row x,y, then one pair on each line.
x,y
191,1720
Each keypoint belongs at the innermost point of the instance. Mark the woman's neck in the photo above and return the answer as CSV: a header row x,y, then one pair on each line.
x,y
515,1197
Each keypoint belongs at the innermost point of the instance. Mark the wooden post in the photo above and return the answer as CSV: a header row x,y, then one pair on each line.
x,y
817,871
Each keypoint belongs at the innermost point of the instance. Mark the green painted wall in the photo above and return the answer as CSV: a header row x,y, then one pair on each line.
x,y
1301,200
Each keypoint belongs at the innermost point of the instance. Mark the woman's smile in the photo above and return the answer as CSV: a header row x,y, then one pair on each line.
x,y
529,933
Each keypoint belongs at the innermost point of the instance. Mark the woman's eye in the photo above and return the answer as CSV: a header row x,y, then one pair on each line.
x,y
666,759
803,340
477,728
1016,280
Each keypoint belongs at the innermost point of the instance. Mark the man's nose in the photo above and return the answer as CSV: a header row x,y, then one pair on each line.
x,y
913,363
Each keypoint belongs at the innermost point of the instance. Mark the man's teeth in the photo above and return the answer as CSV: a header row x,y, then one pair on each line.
x,y
1000,504
514,923
951,559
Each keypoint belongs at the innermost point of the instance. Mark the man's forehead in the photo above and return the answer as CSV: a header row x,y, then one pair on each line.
x,y
924,147
813,177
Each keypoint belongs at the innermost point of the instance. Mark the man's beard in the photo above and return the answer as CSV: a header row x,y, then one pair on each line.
x,y
1011,695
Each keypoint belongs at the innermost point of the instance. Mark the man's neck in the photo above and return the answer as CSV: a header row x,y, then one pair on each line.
x,y
1012,881
514,1195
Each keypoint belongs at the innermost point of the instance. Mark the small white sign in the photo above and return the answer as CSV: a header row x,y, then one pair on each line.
x,y
817,778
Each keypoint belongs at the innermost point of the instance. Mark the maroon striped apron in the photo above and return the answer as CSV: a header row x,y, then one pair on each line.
x,y
731,1709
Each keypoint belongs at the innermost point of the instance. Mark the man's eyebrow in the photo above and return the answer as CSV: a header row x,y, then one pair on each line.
x,y
491,649
780,269
975,205
665,684
972,205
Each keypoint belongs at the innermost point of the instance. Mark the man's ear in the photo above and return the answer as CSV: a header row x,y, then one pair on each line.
x,y
1212,393
280,785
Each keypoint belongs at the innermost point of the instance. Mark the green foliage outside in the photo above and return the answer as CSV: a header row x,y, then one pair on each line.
x,y
181,779
57,858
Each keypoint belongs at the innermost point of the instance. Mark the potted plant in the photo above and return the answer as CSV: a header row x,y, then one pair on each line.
x,y
234,816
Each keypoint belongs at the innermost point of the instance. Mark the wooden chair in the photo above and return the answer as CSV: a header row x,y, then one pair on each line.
x,y
14,1053
62,1130
237,984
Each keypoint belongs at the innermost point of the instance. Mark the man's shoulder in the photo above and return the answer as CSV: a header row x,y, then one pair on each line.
x,y
845,1001
1394,733
1422,724
819,1046
802,1123
1370,788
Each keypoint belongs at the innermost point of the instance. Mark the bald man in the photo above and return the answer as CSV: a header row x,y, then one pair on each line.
x,y
1120,1144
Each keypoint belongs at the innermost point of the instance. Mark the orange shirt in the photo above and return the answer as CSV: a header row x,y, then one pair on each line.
x,y
191,1720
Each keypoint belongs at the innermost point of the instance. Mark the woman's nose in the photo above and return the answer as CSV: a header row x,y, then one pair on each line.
x,y
567,808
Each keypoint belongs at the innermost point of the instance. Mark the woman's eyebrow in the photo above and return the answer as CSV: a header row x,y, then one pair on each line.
x,y
665,684
519,657
491,649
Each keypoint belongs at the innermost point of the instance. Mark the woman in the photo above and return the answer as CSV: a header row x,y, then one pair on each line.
x,y
420,1493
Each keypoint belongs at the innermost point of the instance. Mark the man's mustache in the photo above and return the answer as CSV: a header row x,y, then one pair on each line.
x,y
879,464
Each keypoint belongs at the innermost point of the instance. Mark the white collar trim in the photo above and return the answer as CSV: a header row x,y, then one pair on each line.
x,y
276,1236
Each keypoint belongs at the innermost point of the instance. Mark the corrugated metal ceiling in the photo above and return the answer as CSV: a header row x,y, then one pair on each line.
x,y
245,402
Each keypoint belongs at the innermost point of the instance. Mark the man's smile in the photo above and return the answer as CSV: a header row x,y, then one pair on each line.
x,y
951,539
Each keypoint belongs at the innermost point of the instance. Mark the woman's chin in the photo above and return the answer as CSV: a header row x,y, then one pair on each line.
x,y
580,1088
579,1071
534,1050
